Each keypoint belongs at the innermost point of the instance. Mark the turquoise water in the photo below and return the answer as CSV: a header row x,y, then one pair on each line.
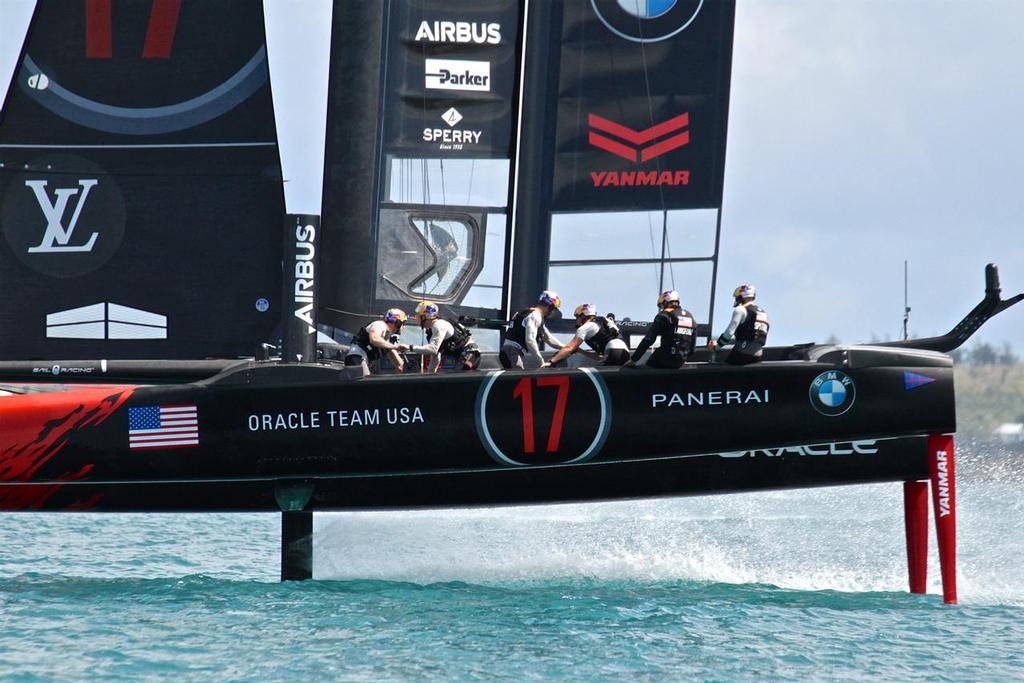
x,y
789,585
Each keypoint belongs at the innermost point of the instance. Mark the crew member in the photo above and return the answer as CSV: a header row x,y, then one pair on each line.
x,y
600,333
448,340
376,337
526,332
747,330
675,327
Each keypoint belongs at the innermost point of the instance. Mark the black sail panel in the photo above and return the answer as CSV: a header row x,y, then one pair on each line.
x,y
420,138
140,191
622,156
642,106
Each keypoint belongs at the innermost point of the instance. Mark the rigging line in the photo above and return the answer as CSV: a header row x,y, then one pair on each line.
x,y
661,190
650,106
664,228
444,199
469,192
425,181
650,236
621,114
408,181
668,253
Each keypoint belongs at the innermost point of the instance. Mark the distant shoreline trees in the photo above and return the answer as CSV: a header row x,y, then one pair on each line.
x,y
979,354
986,354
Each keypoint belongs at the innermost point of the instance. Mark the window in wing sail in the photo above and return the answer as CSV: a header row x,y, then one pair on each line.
x,y
428,254
451,242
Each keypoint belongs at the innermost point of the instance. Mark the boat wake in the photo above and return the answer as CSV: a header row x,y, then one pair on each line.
x,y
846,539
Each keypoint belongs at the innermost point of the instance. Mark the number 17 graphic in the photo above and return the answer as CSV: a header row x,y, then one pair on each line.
x,y
163,21
524,391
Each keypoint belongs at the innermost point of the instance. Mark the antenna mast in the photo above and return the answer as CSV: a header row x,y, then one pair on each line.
x,y
906,300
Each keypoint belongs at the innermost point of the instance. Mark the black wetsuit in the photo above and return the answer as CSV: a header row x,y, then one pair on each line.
x,y
677,331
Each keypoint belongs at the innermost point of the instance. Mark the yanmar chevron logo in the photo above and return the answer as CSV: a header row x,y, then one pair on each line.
x,y
640,150
639,146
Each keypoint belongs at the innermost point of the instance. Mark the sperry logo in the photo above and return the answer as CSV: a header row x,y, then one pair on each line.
x,y
57,238
638,148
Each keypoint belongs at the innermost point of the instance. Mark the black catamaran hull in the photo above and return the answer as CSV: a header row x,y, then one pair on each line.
x,y
267,436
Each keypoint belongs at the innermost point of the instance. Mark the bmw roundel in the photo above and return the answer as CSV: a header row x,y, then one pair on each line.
x,y
646,21
832,393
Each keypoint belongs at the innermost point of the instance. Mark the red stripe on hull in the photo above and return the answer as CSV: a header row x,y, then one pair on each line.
x,y
36,427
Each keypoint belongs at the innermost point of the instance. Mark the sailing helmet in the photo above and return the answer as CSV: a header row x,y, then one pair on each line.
x,y
585,311
396,316
550,298
745,292
668,297
427,310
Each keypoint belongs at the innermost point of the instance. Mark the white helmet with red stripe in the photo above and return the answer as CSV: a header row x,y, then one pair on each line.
x,y
744,292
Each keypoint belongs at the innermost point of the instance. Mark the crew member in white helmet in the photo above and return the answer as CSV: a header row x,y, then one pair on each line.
x,y
600,333
371,340
747,330
675,330
449,343
526,332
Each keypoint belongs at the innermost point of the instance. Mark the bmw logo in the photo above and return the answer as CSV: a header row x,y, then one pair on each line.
x,y
646,21
832,393
262,305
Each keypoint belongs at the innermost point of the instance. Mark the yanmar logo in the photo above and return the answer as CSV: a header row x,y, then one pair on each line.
x,y
639,146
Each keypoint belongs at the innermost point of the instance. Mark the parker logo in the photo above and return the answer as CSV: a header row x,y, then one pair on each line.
x,y
66,220
639,146
457,74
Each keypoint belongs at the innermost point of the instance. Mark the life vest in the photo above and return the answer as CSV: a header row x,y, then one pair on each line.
x,y
607,331
517,328
362,339
678,331
754,327
454,344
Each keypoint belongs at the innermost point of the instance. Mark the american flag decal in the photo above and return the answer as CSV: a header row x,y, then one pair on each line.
x,y
163,426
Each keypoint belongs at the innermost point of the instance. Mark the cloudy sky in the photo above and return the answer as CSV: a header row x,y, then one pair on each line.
x,y
865,133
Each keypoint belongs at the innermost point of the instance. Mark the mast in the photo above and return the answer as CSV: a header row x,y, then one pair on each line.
x,y
531,206
298,52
